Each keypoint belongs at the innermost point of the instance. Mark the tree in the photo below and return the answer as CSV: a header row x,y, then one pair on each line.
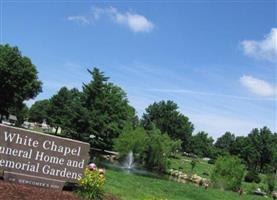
x,y
271,182
166,117
19,80
242,148
151,148
60,109
224,142
258,150
134,140
39,111
79,118
94,90
228,173
108,109
21,112
66,110
237,146
252,176
202,145
273,163
158,150
262,144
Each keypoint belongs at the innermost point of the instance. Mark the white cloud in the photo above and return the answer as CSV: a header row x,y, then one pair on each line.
x,y
258,86
265,49
135,22
78,19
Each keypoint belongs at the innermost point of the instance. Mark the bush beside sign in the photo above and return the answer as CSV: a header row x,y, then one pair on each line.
x,y
38,159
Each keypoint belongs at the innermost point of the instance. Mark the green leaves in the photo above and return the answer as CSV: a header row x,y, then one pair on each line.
x,y
224,142
108,109
228,173
40,111
258,149
131,140
150,148
159,148
202,145
165,116
101,109
19,80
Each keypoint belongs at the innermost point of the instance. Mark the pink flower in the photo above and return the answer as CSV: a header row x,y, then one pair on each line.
x,y
92,166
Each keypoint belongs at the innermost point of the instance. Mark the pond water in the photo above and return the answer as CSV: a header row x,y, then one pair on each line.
x,y
116,166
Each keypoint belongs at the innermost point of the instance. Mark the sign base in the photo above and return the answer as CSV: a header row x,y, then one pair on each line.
x,y
33,180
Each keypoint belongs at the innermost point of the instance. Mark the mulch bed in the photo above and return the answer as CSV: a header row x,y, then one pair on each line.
x,y
11,191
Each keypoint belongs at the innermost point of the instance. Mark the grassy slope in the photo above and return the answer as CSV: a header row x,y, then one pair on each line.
x,y
203,167
133,187
184,163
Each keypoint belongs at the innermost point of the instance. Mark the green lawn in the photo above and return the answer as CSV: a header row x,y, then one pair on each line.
x,y
134,187
201,168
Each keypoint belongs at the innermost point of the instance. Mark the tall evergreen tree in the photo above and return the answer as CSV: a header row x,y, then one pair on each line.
x,y
108,109
60,109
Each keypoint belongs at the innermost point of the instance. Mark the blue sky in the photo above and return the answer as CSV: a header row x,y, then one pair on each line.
x,y
217,61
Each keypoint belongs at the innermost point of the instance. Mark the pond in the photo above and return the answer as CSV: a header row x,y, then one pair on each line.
x,y
136,170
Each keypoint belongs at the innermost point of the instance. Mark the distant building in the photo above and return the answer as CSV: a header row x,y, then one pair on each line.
x,y
11,120
43,127
28,125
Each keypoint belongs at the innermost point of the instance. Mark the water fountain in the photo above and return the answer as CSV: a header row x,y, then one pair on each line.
x,y
130,167
129,161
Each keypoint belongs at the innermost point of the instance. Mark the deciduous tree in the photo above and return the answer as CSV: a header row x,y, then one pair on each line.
x,y
39,111
224,142
19,79
202,145
108,109
166,117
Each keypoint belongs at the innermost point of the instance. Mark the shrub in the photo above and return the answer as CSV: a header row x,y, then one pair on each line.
x,y
271,182
205,173
193,165
252,176
228,173
211,161
92,185
158,150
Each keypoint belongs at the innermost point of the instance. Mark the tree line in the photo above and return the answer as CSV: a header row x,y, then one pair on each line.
x,y
100,113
